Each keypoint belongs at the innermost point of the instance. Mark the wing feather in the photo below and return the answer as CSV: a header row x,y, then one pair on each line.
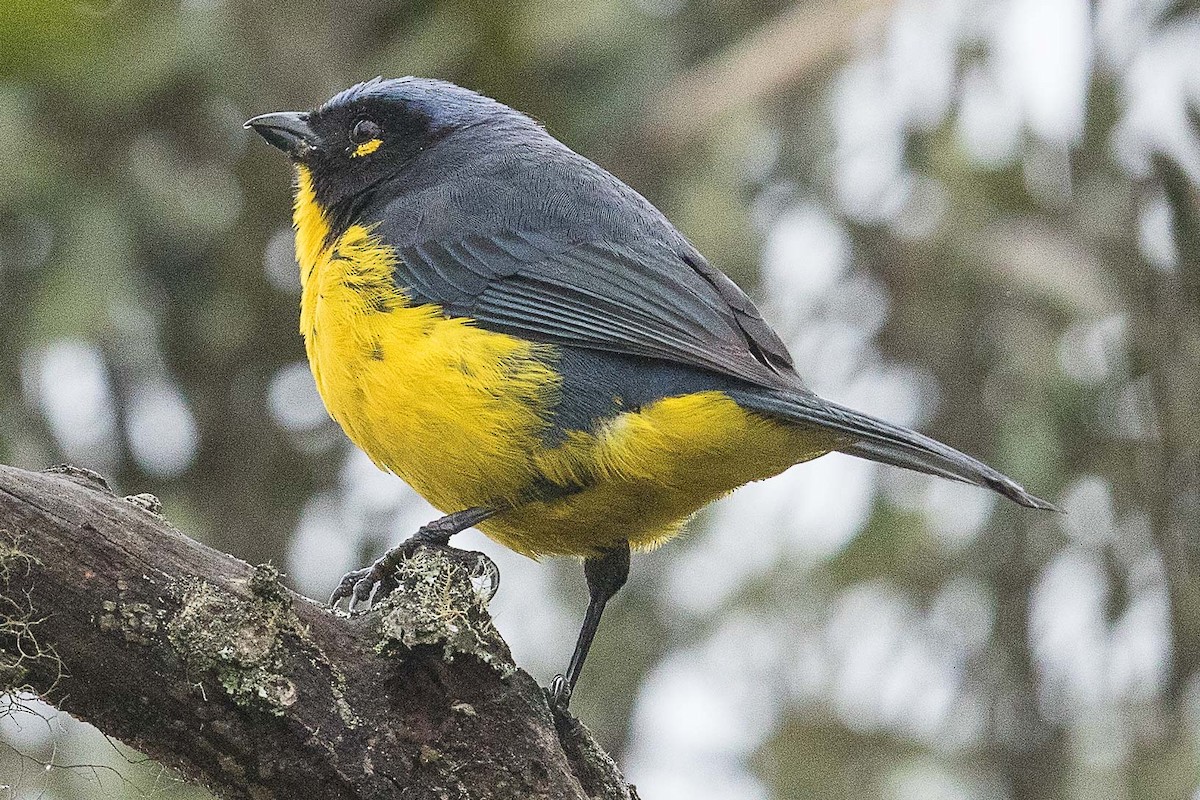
x,y
639,298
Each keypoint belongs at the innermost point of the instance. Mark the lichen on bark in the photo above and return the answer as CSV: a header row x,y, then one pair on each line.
x,y
19,645
238,639
437,602
255,691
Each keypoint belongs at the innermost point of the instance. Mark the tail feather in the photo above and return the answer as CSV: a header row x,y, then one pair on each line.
x,y
884,442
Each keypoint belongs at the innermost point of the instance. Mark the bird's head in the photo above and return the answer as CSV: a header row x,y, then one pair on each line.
x,y
371,131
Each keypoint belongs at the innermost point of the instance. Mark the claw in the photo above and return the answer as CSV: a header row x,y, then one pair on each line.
x,y
560,693
363,589
487,575
379,580
369,585
346,586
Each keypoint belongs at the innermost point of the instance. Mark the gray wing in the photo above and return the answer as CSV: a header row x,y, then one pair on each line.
x,y
640,298
510,228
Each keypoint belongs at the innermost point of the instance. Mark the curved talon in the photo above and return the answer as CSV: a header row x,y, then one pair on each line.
x,y
366,586
560,693
486,571
345,587
379,580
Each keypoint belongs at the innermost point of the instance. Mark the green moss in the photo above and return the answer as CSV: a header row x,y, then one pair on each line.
x,y
137,622
437,604
238,641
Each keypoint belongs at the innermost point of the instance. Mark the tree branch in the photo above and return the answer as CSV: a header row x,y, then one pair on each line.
x,y
213,667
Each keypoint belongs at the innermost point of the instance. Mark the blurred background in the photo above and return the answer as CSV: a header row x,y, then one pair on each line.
x,y
975,217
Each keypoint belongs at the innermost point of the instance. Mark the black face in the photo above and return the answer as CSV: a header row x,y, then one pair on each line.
x,y
349,145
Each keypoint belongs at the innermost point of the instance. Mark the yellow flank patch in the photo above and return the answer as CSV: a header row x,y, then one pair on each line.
x,y
366,148
460,413
649,470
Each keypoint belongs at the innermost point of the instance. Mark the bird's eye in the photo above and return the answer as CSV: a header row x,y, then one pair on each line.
x,y
364,131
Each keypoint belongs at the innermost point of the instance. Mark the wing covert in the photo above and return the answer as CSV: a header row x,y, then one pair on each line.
x,y
635,298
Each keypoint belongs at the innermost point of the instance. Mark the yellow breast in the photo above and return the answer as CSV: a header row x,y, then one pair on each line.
x,y
448,407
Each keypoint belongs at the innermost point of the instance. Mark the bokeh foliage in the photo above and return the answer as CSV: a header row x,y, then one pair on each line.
x,y
976,216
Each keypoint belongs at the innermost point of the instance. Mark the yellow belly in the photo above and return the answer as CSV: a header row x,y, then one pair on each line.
x,y
649,470
460,413
450,408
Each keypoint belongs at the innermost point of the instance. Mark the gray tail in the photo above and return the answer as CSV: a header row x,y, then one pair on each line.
x,y
887,443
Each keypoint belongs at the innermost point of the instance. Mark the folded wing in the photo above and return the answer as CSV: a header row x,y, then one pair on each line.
x,y
630,297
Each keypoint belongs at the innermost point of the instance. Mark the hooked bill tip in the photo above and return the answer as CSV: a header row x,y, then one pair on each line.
x,y
287,130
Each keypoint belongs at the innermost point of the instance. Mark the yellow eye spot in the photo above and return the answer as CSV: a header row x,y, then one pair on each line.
x,y
366,148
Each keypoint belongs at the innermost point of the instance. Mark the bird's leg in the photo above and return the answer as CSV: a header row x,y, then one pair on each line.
x,y
379,578
606,574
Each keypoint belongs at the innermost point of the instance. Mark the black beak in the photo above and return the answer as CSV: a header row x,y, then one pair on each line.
x,y
287,130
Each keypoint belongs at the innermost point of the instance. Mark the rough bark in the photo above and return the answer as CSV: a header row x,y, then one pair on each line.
x,y
213,667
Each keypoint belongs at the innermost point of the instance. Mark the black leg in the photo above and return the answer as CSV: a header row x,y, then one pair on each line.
x,y
359,584
606,574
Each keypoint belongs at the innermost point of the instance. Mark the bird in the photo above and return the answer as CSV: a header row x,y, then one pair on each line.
x,y
533,347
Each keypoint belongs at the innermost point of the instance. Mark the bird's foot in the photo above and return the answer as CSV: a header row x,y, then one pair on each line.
x,y
367,586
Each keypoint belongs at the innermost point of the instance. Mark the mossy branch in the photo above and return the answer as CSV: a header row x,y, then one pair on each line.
x,y
216,669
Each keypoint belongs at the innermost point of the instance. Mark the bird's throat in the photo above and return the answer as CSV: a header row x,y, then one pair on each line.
x,y
312,229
